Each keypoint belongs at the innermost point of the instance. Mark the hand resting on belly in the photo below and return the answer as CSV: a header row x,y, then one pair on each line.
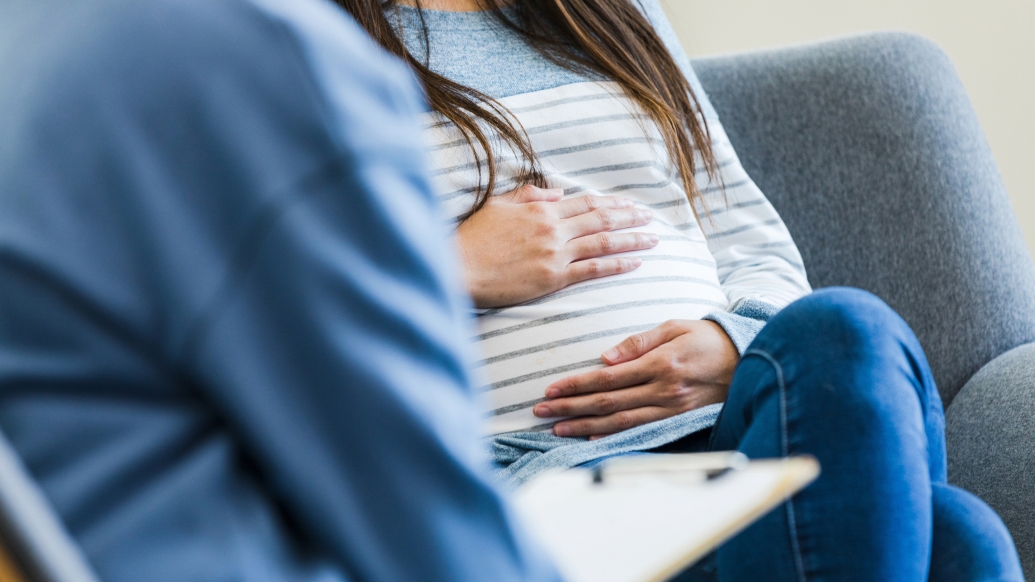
x,y
529,243
676,367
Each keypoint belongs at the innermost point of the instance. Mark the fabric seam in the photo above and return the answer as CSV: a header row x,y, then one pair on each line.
x,y
792,523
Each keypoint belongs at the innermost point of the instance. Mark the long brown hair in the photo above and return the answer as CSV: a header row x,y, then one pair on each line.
x,y
609,38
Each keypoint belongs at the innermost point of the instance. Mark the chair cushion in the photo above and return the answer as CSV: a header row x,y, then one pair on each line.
x,y
990,436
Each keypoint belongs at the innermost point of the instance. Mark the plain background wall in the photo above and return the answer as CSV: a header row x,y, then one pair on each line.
x,y
992,43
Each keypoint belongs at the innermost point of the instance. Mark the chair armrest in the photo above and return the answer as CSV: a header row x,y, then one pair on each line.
x,y
990,434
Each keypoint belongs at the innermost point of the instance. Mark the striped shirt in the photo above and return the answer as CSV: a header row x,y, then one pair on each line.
x,y
594,141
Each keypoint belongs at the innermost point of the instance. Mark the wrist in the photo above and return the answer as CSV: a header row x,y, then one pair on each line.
x,y
727,351
474,286
478,287
739,329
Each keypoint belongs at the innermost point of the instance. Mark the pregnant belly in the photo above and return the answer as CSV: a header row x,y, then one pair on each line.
x,y
526,348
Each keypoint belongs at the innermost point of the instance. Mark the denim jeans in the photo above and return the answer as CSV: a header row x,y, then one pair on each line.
x,y
840,376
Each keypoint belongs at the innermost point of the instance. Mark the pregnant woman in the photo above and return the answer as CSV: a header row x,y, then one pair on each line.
x,y
632,282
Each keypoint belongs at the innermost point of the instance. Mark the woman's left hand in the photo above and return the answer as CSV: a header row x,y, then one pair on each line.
x,y
678,366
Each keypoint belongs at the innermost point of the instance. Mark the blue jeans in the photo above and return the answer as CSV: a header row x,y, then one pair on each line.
x,y
840,376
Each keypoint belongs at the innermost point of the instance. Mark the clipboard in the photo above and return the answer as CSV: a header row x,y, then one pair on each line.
x,y
646,518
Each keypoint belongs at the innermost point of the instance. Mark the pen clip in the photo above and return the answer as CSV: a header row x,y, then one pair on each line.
x,y
695,466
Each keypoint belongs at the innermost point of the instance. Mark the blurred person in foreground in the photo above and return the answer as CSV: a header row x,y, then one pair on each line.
x,y
229,343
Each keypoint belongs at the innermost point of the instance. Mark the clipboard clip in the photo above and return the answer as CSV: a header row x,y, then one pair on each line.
x,y
686,468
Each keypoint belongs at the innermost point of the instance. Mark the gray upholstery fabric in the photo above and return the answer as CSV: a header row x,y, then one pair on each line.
x,y
991,441
872,154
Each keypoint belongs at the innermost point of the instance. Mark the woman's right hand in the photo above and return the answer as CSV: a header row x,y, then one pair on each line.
x,y
530,242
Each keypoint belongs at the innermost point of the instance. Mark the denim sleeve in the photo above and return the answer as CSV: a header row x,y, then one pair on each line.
x,y
336,346
336,354
232,342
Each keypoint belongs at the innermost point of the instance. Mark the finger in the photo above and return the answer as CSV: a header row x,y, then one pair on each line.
x,y
640,343
598,404
617,422
589,203
606,243
602,380
607,219
595,268
600,436
529,193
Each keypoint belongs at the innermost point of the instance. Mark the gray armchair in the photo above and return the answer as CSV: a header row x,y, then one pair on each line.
x,y
871,152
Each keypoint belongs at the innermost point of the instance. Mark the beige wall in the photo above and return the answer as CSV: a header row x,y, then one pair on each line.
x,y
992,43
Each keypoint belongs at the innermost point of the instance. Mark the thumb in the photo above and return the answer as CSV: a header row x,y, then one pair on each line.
x,y
529,193
638,344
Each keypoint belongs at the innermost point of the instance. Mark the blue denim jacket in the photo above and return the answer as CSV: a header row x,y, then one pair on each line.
x,y
230,333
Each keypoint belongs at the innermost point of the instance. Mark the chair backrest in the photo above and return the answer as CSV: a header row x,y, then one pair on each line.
x,y
871,152
34,546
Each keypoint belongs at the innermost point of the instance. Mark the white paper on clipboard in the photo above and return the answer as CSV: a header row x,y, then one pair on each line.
x,y
651,527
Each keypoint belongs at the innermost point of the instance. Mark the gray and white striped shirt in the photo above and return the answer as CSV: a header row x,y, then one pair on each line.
x,y
592,140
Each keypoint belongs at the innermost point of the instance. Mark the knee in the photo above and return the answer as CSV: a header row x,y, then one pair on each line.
x,y
856,350
851,321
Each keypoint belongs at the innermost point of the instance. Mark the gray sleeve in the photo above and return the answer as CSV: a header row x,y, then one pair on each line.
x,y
743,323
761,265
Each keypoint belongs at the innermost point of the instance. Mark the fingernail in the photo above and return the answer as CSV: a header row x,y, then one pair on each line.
x,y
562,430
634,263
611,355
652,239
553,392
541,411
646,214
